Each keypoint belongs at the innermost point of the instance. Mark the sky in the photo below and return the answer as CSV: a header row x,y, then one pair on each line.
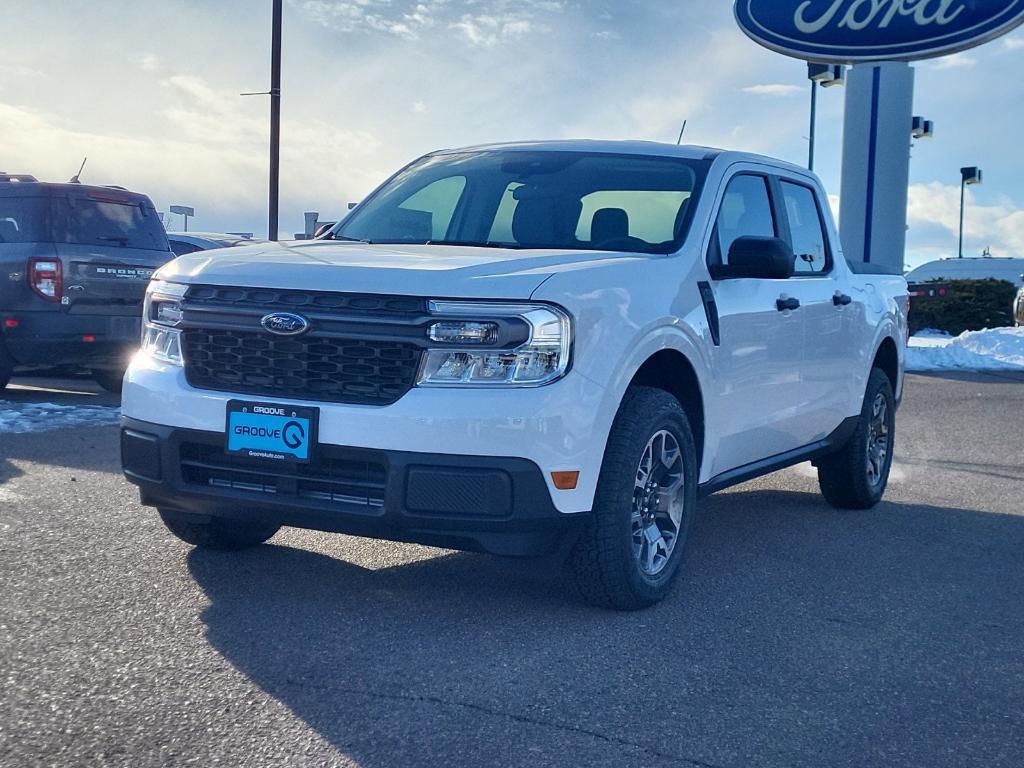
x,y
149,91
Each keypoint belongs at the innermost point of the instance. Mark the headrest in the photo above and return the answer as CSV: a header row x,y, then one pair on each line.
x,y
609,224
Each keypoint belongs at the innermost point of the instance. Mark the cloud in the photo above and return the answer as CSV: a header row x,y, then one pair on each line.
x,y
215,147
774,89
956,61
149,62
933,216
1013,43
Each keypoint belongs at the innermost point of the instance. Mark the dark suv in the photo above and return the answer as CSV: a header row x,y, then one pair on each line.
x,y
74,264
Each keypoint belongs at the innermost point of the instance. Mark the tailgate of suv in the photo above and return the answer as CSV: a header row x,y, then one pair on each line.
x,y
105,284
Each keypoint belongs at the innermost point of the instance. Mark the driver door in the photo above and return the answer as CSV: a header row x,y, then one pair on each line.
x,y
760,351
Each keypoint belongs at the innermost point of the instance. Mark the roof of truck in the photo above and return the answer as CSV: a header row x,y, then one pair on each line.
x,y
649,148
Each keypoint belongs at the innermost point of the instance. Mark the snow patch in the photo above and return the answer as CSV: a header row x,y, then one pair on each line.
x,y
1000,349
19,418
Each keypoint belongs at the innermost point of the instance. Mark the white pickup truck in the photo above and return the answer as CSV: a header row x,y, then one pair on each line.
x,y
522,349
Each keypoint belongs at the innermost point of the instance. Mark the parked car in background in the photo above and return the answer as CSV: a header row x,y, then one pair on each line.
x,y
1010,269
75,260
523,350
190,242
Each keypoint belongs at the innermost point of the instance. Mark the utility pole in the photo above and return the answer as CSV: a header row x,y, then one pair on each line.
x,y
275,119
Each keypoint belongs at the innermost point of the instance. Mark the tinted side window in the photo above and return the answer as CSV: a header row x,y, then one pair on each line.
x,y
746,211
24,220
809,241
180,249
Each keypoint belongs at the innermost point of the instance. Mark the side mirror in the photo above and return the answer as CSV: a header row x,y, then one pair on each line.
x,y
764,258
323,229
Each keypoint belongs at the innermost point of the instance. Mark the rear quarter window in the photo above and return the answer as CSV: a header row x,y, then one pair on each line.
x,y
23,220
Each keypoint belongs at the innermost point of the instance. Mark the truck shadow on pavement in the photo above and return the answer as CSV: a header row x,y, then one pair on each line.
x,y
800,635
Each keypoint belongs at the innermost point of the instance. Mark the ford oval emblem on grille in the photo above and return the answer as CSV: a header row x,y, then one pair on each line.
x,y
285,324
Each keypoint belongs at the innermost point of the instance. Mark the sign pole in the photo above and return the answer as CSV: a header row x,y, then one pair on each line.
x,y
876,166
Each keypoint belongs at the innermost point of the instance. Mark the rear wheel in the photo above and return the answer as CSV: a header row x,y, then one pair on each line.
x,y
110,380
856,476
630,555
215,532
6,367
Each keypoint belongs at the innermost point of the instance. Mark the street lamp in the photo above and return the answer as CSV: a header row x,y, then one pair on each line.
x,y
827,75
183,210
968,176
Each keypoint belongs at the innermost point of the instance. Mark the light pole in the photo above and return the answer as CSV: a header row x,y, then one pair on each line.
x,y
827,75
968,176
275,118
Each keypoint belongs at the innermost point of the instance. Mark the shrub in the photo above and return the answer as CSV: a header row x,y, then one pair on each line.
x,y
972,305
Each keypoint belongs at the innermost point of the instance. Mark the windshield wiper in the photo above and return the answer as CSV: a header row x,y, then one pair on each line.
x,y
123,241
475,244
333,236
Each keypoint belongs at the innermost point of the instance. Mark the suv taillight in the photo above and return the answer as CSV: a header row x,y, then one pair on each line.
x,y
45,277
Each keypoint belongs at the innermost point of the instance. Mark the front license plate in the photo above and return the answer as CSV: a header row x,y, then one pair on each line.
x,y
272,431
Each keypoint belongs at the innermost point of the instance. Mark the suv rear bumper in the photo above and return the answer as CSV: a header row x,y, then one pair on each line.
x,y
56,338
489,504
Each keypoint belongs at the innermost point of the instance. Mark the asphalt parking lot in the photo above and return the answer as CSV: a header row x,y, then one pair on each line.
x,y
801,636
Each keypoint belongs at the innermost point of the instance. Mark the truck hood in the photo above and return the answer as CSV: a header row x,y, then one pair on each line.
x,y
416,270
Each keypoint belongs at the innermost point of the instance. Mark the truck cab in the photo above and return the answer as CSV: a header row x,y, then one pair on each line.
x,y
529,349
74,264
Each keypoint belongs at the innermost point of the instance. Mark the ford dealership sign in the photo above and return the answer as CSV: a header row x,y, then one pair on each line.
x,y
875,30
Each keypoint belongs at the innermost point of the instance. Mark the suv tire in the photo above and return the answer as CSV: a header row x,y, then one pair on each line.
x,y
112,381
216,532
856,477
630,554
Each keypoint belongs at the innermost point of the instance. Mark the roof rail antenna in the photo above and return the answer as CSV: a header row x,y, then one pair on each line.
x,y
680,139
75,179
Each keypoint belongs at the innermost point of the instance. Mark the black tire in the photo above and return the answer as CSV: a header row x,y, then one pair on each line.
x,y
216,532
603,565
112,381
6,367
850,479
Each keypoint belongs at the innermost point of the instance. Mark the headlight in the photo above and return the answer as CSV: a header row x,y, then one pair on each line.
x,y
496,345
161,313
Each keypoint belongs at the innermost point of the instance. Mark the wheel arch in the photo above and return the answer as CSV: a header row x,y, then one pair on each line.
x,y
671,371
887,360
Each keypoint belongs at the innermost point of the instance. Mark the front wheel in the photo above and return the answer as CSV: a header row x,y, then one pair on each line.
x,y
215,532
112,381
856,476
631,553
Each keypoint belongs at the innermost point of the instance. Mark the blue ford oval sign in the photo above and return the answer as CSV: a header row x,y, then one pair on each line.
x,y
875,30
285,324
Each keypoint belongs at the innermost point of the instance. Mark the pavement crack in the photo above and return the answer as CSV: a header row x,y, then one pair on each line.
x,y
516,717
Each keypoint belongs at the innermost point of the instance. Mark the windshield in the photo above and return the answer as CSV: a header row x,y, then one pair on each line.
x,y
534,199
81,221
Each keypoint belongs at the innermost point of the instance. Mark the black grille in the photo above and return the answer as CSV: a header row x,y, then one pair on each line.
x,y
356,480
362,349
302,368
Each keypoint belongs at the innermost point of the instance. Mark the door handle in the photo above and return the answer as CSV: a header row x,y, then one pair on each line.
x,y
789,304
842,300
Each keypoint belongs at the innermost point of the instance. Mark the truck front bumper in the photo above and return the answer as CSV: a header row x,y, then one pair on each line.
x,y
490,504
36,339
